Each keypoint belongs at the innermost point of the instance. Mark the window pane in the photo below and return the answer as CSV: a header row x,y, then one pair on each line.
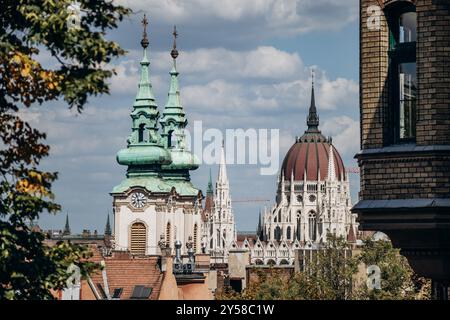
x,y
407,24
408,97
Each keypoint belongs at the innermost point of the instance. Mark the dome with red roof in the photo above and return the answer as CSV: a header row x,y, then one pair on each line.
x,y
310,154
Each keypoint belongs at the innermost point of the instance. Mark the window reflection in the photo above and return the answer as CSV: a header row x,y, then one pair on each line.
x,y
408,97
407,27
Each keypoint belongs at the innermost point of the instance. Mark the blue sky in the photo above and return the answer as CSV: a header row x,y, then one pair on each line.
x,y
243,64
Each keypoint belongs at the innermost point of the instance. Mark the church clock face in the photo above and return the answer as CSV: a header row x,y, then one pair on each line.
x,y
138,200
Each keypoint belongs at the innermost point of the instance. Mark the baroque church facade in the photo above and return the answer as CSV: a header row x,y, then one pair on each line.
x,y
156,204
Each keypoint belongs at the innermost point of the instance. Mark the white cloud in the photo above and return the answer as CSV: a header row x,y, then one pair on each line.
x,y
220,80
264,62
269,17
345,133
247,85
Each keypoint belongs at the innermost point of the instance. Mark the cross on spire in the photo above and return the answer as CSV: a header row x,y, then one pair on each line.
x,y
144,42
174,52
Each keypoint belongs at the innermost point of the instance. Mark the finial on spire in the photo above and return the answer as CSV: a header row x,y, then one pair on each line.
x,y
144,41
174,52
313,119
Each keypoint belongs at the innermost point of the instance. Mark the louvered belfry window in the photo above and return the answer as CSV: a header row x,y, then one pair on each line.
x,y
138,239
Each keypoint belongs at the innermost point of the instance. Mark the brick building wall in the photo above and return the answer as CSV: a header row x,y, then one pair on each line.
x,y
405,184
433,64
373,72
410,171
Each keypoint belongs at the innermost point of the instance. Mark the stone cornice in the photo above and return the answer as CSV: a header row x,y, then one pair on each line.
x,y
396,151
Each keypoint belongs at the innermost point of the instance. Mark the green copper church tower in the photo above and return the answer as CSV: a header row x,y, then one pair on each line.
x,y
156,204
173,125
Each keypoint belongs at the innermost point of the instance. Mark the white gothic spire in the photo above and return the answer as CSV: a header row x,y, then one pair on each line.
x,y
331,167
222,179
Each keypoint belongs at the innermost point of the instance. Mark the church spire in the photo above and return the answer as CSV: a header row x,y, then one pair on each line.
x,y
144,144
173,125
145,96
107,227
313,119
174,120
174,90
66,231
210,190
259,230
222,179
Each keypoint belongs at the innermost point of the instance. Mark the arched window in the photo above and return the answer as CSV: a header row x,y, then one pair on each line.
x,y
299,226
279,216
402,21
211,244
195,237
288,233
278,233
168,234
141,133
138,239
312,221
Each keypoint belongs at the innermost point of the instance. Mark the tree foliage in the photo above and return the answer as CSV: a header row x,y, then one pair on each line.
x,y
398,280
29,269
334,273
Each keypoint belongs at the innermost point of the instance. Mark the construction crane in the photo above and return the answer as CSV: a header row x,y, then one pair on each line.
x,y
250,200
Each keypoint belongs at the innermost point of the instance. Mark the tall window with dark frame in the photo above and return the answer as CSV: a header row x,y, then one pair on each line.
x,y
402,20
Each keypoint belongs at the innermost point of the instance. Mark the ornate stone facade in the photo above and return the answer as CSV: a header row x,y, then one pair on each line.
x,y
219,226
313,199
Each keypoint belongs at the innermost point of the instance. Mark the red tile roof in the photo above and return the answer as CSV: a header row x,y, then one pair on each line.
x,y
125,271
